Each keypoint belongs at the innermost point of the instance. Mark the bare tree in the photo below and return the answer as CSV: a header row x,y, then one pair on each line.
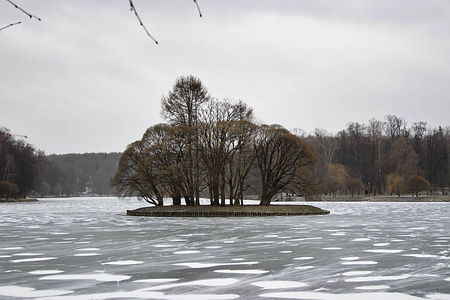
x,y
417,184
402,159
222,137
354,185
336,179
395,184
280,156
375,133
143,167
181,107
325,145
395,127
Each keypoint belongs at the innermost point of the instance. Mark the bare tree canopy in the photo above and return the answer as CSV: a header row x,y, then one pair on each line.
x,y
211,146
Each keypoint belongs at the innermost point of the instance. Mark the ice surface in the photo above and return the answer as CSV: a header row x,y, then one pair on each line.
x,y
326,296
204,282
196,265
87,248
376,278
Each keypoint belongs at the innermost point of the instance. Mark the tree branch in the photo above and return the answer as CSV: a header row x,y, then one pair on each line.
x,y
140,21
30,15
198,8
12,24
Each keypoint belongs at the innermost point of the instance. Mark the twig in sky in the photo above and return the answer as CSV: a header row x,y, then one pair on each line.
x,y
198,7
139,19
30,15
12,24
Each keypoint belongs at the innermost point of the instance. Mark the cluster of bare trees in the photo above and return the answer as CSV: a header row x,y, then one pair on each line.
x,y
20,163
383,157
214,148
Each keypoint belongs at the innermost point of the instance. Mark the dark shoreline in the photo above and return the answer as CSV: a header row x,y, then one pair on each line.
x,y
227,211
384,199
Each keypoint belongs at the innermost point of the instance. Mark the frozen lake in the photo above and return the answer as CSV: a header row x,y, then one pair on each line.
x,y
89,249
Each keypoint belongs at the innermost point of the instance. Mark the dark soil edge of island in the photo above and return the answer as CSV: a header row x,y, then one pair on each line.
x,y
13,200
207,211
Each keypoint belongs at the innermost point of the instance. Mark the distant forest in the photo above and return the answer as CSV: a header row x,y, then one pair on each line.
x,y
367,152
78,174
388,157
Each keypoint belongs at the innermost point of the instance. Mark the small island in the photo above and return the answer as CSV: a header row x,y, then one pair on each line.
x,y
228,211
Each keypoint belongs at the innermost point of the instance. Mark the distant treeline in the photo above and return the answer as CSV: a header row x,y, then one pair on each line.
x,y
78,174
380,157
386,156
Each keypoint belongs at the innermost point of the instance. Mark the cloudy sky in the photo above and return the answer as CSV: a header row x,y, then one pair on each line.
x,y
87,78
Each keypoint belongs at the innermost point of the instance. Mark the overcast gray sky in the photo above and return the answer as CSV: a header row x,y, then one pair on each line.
x,y
88,79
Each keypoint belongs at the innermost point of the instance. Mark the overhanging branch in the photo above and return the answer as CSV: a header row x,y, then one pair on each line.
x,y
19,8
198,8
140,21
12,24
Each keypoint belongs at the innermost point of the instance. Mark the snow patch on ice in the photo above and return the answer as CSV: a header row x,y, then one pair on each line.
x,y
11,248
360,262
26,292
350,258
376,278
32,259
87,254
46,272
186,252
123,262
372,287
27,254
102,277
157,280
278,284
88,249
357,273
386,251
381,244
248,272
421,255
304,258
197,265
304,267
205,282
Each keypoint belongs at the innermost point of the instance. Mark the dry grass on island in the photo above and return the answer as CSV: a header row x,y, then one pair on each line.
x,y
227,211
